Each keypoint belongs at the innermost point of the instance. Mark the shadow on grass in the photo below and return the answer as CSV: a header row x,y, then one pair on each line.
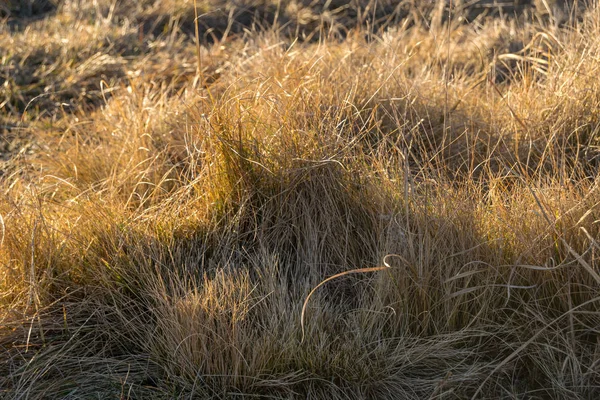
x,y
20,13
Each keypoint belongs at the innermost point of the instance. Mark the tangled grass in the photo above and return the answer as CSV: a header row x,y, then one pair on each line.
x,y
167,212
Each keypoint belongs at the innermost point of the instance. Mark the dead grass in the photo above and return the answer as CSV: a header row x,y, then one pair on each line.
x,y
161,229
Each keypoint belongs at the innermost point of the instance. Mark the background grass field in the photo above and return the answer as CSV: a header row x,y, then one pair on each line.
x,y
171,194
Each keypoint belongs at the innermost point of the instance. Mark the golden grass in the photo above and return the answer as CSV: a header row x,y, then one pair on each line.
x,y
163,231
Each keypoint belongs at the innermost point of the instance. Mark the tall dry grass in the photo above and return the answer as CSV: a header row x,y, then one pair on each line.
x,y
162,229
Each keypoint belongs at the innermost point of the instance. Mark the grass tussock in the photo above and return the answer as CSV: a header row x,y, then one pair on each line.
x,y
167,211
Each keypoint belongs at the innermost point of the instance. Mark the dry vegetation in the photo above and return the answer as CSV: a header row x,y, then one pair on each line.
x,y
161,228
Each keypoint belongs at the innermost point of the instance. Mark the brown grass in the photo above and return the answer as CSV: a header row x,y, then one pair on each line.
x,y
163,230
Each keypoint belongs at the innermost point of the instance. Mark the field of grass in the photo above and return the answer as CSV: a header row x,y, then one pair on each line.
x,y
175,197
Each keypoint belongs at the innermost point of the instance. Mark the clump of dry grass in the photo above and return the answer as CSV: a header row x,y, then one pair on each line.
x,y
161,242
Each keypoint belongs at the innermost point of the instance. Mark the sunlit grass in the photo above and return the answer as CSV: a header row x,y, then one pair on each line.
x,y
162,230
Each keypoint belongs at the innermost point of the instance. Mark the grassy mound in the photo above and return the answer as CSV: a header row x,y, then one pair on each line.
x,y
168,204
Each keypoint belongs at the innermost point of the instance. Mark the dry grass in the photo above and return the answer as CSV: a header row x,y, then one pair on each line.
x,y
161,229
